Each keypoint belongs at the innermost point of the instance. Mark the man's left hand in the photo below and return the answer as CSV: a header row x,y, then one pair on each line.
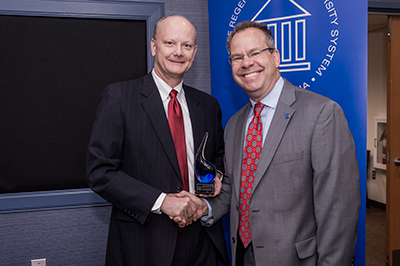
x,y
217,187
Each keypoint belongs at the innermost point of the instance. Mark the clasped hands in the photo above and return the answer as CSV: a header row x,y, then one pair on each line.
x,y
184,208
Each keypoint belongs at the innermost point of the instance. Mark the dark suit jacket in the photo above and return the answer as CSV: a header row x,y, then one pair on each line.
x,y
306,196
131,159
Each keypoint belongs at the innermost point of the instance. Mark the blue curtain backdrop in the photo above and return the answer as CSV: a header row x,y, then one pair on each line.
x,y
323,46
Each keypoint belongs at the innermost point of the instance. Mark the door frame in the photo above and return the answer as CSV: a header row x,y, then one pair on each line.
x,y
393,142
392,10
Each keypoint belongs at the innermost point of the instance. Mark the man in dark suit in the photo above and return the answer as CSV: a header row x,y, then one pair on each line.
x,y
135,161
291,177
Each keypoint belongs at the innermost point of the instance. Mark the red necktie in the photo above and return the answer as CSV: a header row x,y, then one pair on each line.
x,y
251,156
175,120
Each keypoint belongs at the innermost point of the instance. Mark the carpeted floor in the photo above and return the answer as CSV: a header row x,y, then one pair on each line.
x,y
375,237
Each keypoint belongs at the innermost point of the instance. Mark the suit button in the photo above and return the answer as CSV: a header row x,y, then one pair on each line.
x,y
233,240
178,189
237,207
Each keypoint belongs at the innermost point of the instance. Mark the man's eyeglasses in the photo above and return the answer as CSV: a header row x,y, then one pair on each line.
x,y
238,59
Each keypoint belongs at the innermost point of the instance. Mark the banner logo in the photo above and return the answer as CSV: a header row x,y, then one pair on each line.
x,y
297,30
293,50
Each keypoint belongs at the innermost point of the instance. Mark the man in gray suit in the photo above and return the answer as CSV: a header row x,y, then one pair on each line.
x,y
294,199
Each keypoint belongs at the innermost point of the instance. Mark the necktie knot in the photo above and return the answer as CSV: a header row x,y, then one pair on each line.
x,y
257,109
173,93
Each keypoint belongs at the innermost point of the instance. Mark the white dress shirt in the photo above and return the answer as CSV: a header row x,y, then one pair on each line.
x,y
164,89
270,102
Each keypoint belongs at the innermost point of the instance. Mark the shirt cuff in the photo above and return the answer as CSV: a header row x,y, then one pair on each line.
x,y
157,205
222,175
209,216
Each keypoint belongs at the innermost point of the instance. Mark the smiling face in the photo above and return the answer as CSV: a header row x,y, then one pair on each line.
x,y
256,76
174,49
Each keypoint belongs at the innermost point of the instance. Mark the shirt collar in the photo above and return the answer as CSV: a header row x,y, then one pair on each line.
x,y
272,97
164,89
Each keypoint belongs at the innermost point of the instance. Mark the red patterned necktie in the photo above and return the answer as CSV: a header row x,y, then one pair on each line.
x,y
175,120
251,156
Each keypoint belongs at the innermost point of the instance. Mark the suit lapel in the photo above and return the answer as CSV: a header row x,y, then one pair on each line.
x,y
238,147
280,121
196,116
153,106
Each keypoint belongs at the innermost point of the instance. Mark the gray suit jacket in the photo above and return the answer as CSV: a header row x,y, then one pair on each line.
x,y
305,201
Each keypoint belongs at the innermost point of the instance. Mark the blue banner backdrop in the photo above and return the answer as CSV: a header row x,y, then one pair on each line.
x,y
323,46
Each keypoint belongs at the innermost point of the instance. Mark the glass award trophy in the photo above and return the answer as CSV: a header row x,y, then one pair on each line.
x,y
205,171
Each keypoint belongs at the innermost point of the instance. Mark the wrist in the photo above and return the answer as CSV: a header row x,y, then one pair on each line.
x,y
204,207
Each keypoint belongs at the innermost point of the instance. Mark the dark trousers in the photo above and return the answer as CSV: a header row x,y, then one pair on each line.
x,y
194,247
244,256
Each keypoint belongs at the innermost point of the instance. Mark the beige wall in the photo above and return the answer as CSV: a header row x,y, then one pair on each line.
x,y
377,49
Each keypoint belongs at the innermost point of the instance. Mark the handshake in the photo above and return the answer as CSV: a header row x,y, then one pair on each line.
x,y
185,208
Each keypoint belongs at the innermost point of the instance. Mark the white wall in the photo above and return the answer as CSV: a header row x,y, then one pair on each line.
x,y
377,80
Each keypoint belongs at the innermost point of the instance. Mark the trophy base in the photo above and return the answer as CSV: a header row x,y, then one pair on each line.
x,y
204,188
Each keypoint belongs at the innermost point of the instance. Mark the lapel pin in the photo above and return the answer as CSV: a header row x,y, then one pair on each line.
x,y
287,115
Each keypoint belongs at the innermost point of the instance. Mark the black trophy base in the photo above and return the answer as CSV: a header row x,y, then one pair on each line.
x,y
204,188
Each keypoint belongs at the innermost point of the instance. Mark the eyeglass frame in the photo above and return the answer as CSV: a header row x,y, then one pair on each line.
x,y
252,56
